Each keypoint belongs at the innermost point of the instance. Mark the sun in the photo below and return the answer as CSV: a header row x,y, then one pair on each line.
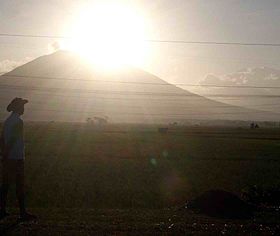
x,y
109,35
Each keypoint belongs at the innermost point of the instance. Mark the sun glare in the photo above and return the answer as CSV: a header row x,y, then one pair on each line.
x,y
109,35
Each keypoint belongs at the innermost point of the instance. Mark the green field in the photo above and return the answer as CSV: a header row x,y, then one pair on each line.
x,y
136,167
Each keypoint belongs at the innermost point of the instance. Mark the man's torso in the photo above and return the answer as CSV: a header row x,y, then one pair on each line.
x,y
12,123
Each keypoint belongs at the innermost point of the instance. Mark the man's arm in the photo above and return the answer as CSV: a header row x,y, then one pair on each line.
x,y
17,132
2,142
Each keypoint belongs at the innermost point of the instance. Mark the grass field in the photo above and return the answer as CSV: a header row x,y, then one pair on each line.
x,y
133,167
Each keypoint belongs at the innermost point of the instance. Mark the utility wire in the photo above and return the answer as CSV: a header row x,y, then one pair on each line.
x,y
141,83
79,112
129,93
151,40
201,59
146,114
185,106
125,99
46,93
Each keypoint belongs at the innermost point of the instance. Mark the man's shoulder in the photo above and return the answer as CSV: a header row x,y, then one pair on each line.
x,y
20,120
13,120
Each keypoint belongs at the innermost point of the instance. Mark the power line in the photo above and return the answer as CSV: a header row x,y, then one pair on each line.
x,y
236,60
160,115
215,43
78,112
35,36
151,40
83,80
150,114
142,83
185,106
125,93
132,99
129,93
146,114
46,93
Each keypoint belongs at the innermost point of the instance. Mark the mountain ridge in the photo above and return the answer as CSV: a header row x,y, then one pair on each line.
x,y
151,100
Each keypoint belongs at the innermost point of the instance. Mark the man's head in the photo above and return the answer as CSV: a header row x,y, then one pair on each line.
x,y
17,105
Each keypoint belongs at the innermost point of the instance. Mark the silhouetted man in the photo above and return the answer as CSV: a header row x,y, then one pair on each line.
x,y
12,146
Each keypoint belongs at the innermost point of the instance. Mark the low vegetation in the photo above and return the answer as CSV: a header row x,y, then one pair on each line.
x,y
129,166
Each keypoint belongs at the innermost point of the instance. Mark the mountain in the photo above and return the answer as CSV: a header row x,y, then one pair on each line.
x,y
63,87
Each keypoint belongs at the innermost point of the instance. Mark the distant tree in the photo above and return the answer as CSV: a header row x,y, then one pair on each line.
x,y
163,130
252,125
89,120
101,120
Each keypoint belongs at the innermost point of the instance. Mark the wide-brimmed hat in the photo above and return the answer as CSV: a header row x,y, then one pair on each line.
x,y
16,103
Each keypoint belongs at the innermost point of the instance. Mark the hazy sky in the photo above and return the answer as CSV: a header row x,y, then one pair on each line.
x,y
192,20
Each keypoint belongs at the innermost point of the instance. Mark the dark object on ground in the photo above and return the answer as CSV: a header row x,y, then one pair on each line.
x,y
162,130
27,217
3,214
222,204
261,196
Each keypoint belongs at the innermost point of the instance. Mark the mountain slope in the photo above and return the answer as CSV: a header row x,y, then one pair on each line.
x,y
61,86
